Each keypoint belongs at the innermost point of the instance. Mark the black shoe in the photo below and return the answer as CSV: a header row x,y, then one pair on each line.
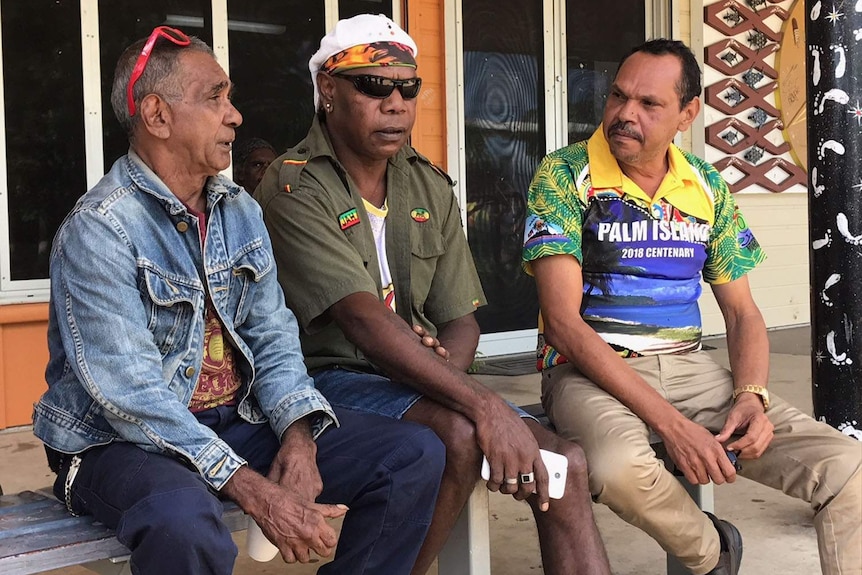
x,y
731,547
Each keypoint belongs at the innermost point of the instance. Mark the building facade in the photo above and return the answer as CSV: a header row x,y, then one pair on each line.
x,y
504,82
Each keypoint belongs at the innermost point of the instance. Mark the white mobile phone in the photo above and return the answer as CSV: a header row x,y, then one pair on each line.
x,y
557,466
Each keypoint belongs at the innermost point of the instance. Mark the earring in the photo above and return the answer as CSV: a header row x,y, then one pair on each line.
x,y
328,107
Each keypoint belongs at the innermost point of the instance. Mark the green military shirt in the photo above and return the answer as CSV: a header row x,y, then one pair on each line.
x,y
325,251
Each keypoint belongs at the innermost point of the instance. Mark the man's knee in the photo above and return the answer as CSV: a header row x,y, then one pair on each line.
x,y
842,479
617,475
456,432
578,471
462,447
432,449
420,457
577,461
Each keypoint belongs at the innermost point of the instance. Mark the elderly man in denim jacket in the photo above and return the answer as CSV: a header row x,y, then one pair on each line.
x,y
176,376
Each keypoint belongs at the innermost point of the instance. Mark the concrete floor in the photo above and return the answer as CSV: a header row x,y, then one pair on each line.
x,y
777,530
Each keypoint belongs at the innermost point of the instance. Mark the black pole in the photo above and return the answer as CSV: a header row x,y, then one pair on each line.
x,y
834,115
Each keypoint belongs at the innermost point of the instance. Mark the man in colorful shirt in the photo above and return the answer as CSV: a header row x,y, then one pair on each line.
x,y
620,229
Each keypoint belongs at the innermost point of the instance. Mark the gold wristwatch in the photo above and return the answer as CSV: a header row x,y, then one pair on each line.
x,y
755,389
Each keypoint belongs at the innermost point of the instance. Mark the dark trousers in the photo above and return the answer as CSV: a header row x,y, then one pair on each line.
x,y
386,471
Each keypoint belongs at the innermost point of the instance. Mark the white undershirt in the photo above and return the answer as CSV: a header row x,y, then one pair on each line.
x,y
377,219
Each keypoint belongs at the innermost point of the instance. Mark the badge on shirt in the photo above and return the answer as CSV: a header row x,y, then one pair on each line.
x,y
420,215
348,219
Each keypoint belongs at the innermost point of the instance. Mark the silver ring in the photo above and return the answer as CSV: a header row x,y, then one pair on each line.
x,y
528,477
511,481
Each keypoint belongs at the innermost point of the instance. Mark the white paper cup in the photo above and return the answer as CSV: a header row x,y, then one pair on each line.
x,y
259,547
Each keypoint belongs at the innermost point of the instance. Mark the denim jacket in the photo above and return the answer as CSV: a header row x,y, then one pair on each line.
x,y
126,326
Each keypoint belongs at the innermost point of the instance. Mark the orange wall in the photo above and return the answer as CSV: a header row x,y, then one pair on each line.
x,y
425,25
23,356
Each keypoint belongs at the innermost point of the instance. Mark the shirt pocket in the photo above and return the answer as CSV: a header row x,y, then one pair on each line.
x,y
248,270
427,246
171,304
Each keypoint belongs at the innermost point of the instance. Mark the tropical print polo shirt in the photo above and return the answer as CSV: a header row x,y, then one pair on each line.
x,y
642,258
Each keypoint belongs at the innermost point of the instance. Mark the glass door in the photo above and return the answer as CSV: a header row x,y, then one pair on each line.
x,y
535,75
269,68
504,136
595,44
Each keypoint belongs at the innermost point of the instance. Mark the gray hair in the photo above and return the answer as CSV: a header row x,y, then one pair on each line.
x,y
158,77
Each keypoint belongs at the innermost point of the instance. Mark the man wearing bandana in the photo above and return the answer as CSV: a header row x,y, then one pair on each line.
x,y
374,263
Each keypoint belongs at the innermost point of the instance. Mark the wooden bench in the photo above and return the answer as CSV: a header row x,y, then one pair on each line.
x,y
37,533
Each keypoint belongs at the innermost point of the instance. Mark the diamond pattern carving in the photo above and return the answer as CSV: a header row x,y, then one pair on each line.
x,y
745,125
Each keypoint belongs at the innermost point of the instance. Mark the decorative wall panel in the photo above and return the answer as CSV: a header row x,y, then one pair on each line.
x,y
747,121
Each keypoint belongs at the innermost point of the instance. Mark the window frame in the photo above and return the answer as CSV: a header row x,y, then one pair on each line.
x,y
37,291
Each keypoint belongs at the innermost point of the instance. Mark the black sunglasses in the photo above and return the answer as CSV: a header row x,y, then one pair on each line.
x,y
380,87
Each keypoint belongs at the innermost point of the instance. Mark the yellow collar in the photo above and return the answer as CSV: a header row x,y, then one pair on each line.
x,y
679,186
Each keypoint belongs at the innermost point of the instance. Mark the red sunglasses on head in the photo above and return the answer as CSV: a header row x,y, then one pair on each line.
x,y
172,34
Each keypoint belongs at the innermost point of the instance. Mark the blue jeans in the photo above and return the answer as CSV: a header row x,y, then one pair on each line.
x,y
386,471
373,393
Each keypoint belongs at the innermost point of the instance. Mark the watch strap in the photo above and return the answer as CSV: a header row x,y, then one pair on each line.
x,y
755,389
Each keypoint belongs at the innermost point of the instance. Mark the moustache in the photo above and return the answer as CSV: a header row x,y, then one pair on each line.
x,y
623,129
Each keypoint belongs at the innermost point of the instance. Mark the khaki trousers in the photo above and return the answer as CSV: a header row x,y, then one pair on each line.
x,y
807,459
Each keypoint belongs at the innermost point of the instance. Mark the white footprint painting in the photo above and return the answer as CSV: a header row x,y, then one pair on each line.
x,y
837,358
833,279
836,95
831,145
848,428
815,10
818,190
815,66
841,67
823,242
844,229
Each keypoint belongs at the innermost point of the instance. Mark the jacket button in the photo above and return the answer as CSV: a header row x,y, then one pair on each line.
x,y
190,371
182,227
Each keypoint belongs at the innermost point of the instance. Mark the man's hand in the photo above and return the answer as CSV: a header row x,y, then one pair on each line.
x,y
698,454
431,342
296,527
747,416
511,450
295,465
